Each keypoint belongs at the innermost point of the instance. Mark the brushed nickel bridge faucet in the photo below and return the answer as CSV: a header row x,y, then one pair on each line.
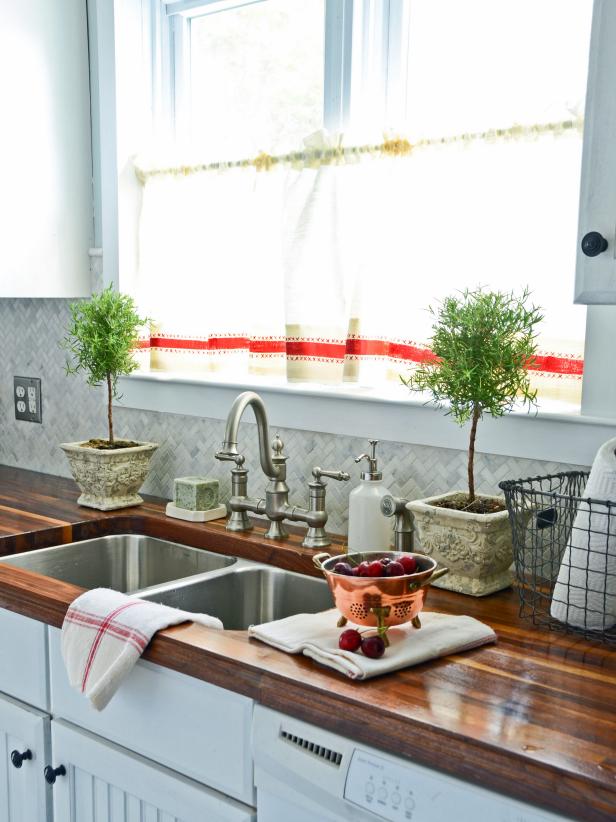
x,y
275,505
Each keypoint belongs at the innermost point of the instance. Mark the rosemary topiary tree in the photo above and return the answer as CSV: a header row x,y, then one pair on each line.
x,y
101,338
483,343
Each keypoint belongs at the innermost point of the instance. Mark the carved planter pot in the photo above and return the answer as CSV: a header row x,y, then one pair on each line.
x,y
109,479
476,548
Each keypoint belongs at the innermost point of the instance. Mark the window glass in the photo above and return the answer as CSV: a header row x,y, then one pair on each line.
x,y
257,77
483,64
499,212
388,235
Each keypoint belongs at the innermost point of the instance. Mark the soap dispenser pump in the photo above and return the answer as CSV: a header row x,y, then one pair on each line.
x,y
369,530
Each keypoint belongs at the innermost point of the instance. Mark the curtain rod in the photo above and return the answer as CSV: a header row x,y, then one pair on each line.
x,y
394,147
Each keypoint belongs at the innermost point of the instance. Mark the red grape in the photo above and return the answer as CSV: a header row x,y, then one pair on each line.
x,y
362,569
349,640
409,564
372,646
395,569
375,569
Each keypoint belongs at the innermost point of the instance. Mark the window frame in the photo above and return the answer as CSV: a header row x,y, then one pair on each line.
x,y
558,437
338,46
366,46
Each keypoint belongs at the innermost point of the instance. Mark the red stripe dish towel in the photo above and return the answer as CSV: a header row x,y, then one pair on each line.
x,y
104,633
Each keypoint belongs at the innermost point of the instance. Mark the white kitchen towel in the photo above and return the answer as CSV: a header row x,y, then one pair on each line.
x,y
316,636
585,592
104,633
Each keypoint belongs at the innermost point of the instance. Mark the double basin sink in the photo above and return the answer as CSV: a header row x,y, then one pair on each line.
x,y
239,592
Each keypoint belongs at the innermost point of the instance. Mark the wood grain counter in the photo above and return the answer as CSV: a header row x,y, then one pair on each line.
x,y
533,716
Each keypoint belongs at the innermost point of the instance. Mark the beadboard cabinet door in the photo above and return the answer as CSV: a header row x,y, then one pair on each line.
x,y
46,212
24,794
106,783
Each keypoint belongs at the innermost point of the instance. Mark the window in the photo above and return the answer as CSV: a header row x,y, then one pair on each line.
x,y
256,77
321,271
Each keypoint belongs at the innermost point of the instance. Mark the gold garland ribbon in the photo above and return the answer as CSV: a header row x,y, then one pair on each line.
x,y
397,147
390,147
263,161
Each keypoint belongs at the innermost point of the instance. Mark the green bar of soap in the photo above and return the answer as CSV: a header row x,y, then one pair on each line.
x,y
196,493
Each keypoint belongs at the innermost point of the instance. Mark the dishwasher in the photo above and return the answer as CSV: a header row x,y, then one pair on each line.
x,y
306,774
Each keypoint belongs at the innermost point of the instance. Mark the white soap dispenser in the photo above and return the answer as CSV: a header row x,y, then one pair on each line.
x,y
369,530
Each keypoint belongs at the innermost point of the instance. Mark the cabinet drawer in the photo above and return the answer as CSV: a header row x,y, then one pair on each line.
x,y
195,728
23,658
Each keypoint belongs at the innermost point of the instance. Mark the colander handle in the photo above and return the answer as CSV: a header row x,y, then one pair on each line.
x,y
318,559
436,575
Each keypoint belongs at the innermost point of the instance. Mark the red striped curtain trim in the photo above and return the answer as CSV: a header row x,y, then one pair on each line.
x,y
330,350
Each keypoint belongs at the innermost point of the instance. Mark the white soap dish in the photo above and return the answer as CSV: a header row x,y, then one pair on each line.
x,y
196,516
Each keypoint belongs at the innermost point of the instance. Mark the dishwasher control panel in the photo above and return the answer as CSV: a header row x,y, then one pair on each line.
x,y
380,786
413,793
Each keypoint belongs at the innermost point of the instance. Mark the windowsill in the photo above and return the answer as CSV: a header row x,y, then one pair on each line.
x,y
353,411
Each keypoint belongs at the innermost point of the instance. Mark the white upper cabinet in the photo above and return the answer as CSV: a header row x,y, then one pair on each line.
x,y
596,247
46,192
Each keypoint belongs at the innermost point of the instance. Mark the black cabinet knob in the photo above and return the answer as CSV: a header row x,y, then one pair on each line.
x,y
51,774
18,758
593,243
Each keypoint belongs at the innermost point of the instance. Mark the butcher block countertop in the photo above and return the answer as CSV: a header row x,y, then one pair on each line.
x,y
533,716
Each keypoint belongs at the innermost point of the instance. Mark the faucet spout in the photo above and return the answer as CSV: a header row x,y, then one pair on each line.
x,y
229,446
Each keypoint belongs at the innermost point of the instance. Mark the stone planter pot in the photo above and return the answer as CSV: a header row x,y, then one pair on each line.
x,y
109,479
476,548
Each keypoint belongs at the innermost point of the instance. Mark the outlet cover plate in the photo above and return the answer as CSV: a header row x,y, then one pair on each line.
x,y
27,397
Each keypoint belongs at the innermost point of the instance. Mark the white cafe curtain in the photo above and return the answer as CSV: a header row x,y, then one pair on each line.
x,y
323,272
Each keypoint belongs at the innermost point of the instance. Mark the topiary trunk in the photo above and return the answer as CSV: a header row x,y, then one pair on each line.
x,y
110,409
471,454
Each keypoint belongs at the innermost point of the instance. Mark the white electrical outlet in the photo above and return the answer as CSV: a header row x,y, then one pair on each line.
x,y
27,396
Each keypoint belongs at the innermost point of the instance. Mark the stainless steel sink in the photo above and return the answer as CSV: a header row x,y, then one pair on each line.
x,y
239,592
124,562
248,595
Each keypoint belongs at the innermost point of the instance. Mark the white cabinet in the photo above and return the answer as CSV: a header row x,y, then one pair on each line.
x,y
198,729
46,193
23,659
105,783
24,752
596,274
167,747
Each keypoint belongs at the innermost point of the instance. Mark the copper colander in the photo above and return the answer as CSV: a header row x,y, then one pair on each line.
x,y
379,602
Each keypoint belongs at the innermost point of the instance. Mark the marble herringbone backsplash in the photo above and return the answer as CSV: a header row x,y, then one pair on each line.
x,y
29,334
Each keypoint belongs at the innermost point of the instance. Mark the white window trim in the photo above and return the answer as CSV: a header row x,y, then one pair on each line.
x,y
348,411
356,412
104,149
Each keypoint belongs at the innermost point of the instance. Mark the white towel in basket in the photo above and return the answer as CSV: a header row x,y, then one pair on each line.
x,y
104,633
585,592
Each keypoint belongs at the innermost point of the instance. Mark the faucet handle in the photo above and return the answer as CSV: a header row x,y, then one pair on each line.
x,y
341,476
316,536
228,456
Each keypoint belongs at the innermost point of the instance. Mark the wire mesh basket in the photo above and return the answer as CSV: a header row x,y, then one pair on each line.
x,y
564,550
